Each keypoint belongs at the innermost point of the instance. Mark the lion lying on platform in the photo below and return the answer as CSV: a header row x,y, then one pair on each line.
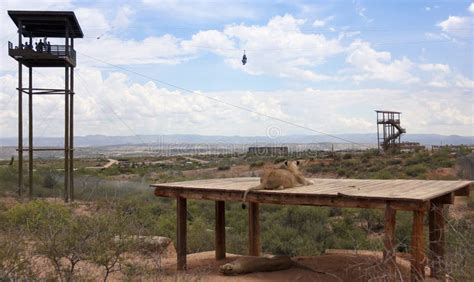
x,y
280,178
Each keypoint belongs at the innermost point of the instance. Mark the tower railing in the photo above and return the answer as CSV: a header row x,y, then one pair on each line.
x,y
26,51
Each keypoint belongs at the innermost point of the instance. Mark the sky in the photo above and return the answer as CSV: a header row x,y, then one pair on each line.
x,y
174,67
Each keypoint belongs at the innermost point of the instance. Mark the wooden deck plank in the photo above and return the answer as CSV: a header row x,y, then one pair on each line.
x,y
419,190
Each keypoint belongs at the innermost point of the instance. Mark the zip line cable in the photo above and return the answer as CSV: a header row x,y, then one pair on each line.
x,y
226,103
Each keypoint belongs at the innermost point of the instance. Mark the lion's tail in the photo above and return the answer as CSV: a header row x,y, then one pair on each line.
x,y
258,187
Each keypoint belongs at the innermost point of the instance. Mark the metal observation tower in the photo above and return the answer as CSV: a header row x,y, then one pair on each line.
x,y
39,26
389,130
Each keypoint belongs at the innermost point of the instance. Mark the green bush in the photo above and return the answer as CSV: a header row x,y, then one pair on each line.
x,y
341,171
49,180
257,164
315,168
14,262
223,167
37,215
279,160
415,170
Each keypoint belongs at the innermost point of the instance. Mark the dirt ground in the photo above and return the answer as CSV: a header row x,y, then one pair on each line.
x,y
340,265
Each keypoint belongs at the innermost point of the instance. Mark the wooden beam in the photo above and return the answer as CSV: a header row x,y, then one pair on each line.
x,y
254,229
463,192
220,230
437,239
389,242
447,199
273,198
417,247
181,215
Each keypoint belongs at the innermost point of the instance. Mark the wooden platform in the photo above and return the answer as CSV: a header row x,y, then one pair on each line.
x,y
403,194
419,196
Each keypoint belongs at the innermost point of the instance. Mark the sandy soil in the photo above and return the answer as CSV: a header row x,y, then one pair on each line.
x,y
443,173
340,265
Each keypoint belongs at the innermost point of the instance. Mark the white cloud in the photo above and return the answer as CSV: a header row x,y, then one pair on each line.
x,y
457,26
435,67
319,23
165,49
93,22
278,48
436,36
471,8
441,76
115,105
464,82
360,124
446,114
322,22
281,49
123,17
362,11
268,106
370,64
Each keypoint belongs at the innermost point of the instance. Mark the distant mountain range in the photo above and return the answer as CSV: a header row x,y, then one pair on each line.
x,y
363,138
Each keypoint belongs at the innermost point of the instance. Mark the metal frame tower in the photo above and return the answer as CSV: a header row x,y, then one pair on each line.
x,y
388,130
46,24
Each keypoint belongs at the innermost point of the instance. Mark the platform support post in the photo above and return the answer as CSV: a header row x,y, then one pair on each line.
x,y
389,242
71,129
181,215
417,247
30,133
20,124
220,230
254,229
437,239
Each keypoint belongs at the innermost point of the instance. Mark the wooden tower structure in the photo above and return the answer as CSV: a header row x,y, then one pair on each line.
x,y
388,130
40,25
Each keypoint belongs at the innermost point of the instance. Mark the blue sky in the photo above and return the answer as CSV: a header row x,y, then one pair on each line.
x,y
326,65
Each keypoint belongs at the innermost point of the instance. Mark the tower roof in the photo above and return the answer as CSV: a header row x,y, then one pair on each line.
x,y
47,23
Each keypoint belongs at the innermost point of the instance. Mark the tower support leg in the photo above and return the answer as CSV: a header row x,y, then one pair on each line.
x,y
30,133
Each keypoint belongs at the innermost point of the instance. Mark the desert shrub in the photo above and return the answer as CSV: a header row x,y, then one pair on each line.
x,y
201,235
113,170
257,164
295,230
49,180
347,156
315,168
14,261
108,242
382,174
395,161
403,230
223,167
460,249
346,235
279,160
415,170
8,179
57,236
373,219
350,163
335,211
341,171
417,158
37,215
